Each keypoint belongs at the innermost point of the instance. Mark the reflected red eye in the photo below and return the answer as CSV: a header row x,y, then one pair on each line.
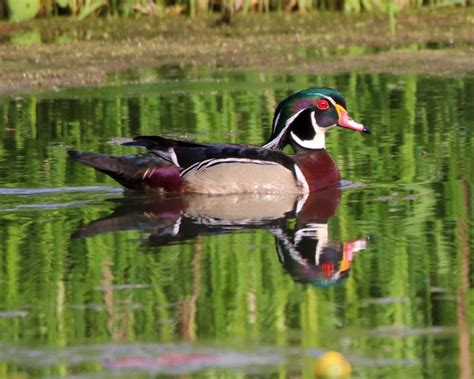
x,y
322,104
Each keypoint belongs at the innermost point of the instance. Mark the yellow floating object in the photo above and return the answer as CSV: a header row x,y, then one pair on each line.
x,y
332,365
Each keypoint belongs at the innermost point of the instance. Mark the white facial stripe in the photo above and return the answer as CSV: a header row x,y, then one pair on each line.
x,y
277,139
273,142
315,232
321,231
277,118
329,98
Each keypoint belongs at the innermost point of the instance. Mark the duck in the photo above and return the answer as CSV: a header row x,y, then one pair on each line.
x,y
301,121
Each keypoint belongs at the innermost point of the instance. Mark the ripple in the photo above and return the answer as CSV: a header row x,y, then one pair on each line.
x,y
13,314
38,191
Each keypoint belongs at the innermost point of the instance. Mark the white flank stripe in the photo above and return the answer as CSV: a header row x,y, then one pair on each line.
x,y
173,156
208,163
176,226
146,173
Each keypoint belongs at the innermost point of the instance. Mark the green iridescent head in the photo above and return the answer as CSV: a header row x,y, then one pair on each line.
x,y
303,118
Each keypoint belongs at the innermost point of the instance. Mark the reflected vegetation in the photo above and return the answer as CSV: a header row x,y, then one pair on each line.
x,y
91,278
298,223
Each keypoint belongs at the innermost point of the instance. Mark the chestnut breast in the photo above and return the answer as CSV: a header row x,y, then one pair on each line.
x,y
319,169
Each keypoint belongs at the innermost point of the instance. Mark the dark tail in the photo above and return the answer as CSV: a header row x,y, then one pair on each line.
x,y
128,170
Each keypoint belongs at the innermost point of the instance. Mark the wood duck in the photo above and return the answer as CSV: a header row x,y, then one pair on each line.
x,y
300,120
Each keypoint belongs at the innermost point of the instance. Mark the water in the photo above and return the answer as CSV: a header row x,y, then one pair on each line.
x,y
95,282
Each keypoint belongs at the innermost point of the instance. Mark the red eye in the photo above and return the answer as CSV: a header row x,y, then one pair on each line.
x,y
322,104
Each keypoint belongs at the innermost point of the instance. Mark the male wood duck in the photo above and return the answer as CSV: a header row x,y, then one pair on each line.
x,y
300,120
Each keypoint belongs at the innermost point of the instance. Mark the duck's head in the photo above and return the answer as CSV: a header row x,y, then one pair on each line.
x,y
303,119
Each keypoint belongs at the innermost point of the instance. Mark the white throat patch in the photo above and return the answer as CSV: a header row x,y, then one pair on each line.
x,y
319,140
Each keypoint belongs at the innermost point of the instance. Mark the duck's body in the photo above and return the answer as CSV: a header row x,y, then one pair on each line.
x,y
226,169
179,166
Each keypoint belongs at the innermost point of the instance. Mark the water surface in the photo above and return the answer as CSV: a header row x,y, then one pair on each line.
x,y
95,282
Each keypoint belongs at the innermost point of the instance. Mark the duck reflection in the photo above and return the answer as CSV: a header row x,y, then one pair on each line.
x,y
299,224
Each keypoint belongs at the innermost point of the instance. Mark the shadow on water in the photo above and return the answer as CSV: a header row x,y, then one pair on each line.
x,y
298,223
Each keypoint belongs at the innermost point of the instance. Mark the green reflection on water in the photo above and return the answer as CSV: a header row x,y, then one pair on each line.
x,y
405,308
